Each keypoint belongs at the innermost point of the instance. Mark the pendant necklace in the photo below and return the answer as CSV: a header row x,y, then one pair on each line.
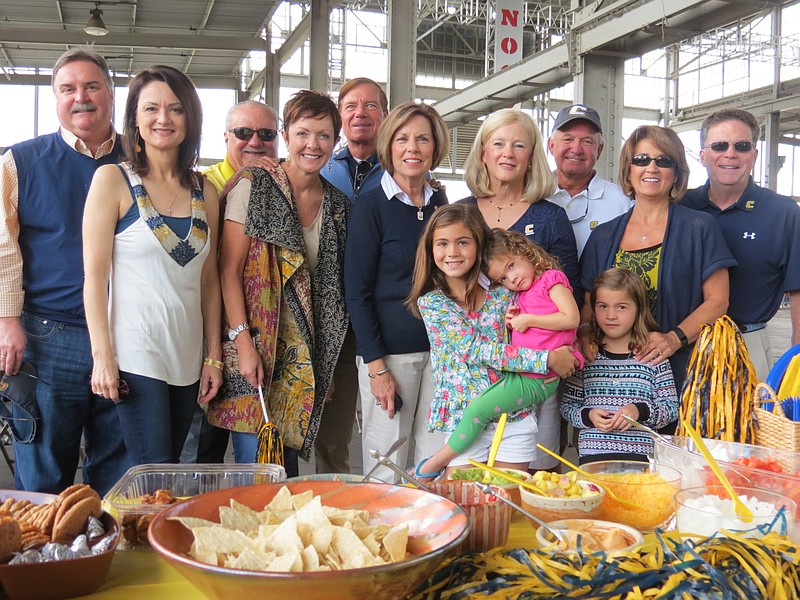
x,y
646,234
171,202
500,208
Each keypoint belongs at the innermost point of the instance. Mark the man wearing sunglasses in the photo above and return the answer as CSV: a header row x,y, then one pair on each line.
x,y
251,133
761,229
576,143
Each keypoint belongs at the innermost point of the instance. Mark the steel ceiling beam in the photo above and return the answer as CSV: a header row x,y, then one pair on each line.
x,y
40,37
632,27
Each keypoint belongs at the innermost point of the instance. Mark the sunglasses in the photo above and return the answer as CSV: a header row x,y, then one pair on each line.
x,y
245,133
738,146
662,162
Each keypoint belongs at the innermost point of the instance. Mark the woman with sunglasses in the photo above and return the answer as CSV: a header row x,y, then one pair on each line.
x,y
281,267
507,172
151,292
679,253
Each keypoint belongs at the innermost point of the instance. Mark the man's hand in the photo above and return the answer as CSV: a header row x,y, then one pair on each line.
x,y
562,361
12,344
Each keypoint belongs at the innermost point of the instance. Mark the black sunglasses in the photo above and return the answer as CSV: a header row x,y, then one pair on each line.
x,y
738,146
662,162
245,133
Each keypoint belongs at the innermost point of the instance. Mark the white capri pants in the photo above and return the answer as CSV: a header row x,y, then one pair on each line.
x,y
412,376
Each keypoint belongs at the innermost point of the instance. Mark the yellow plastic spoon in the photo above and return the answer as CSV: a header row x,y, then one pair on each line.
x,y
740,507
527,485
498,437
598,480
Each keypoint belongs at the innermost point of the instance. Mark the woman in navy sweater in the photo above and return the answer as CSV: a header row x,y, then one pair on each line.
x,y
383,230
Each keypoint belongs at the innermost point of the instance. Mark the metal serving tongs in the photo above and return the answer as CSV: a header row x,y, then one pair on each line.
x,y
668,441
392,449
487,489
386,462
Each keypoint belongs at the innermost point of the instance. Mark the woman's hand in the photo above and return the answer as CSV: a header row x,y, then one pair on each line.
x,y
583,339
250,365
383,388
105,378
562,361
210,382
659,347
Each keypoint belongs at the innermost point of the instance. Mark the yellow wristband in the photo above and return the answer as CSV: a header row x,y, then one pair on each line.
x,y
213,362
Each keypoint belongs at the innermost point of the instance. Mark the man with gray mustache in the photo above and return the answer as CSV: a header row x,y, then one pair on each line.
x,y
43,186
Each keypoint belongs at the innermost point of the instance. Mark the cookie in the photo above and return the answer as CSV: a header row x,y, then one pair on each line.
x,y
71,522
10,538
72,495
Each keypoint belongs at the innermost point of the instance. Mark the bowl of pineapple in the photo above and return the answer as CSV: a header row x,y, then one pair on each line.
x,y
563,496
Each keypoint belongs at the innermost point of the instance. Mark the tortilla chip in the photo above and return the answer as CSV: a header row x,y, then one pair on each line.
x,y
232,518
395,542
219,539
248,560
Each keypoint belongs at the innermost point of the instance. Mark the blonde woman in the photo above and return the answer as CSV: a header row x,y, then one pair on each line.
x,y
508,175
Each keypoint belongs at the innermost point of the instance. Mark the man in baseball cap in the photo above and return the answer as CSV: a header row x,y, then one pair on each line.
x,y
576,143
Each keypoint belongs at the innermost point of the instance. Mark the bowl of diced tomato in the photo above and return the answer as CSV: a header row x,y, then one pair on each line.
x,y
744,465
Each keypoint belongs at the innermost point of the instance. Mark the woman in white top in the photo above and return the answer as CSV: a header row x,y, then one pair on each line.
x,y
152,292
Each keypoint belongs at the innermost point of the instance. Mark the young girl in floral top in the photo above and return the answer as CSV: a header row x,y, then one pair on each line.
x,y
466,326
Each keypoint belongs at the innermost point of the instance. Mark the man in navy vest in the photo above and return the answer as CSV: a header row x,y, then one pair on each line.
x,y
43,186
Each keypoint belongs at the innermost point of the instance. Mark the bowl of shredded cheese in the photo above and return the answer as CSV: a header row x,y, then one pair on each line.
x,y
651,487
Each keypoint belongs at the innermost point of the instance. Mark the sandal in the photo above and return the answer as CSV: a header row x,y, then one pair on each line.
x,y
426,476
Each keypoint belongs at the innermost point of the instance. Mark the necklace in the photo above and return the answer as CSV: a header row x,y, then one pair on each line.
x,y
500,208
163,195
645,234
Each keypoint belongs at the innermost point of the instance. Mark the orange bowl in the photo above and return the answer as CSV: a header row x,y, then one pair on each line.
x,y
436,528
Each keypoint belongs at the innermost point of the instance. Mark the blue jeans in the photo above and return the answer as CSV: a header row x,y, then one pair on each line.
x,y
155,418
62,356
245,449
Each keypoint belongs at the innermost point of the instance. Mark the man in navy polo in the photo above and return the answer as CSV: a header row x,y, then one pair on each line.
x,y
761,228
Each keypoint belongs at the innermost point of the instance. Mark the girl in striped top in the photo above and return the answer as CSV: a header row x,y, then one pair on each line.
x,y
617,383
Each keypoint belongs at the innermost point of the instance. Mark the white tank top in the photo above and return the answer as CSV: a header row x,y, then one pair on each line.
x,y
154,308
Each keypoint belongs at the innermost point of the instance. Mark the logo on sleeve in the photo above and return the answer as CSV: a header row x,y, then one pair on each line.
x,y
749,235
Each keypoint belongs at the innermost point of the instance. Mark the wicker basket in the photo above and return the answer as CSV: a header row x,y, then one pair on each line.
x,y
773,429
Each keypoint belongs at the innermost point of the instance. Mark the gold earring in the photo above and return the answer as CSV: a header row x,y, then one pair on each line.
x,y
137,147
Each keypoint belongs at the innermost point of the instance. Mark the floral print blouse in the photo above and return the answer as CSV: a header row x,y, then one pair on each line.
x,y
468,351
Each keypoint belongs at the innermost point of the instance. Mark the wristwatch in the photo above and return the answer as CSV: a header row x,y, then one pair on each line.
x,y
234,333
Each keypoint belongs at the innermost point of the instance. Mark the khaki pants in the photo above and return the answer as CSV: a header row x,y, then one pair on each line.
x,y
331,448
412,374
758,347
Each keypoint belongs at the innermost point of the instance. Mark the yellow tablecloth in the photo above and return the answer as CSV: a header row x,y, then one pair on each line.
x,y
142,574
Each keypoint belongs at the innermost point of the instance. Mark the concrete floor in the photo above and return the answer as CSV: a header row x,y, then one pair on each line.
x,y
780,336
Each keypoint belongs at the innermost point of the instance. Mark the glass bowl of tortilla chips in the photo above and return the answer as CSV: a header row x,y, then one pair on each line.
x,y
318,539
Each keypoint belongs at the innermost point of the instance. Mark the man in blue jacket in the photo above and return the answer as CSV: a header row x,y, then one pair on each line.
x,y
760,227
355,169
43,186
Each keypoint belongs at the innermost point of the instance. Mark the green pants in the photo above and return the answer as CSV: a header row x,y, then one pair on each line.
x,y
513,392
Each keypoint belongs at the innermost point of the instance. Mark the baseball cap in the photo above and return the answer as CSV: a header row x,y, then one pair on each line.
x,y
578,111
